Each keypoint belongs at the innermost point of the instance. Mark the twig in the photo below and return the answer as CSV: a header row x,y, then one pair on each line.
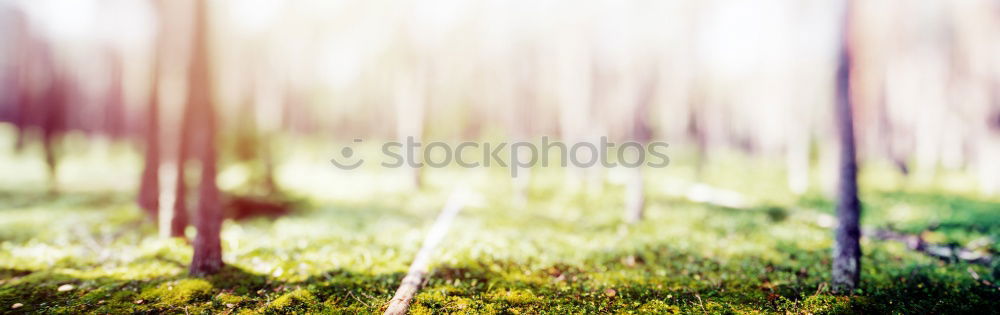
x,y
943,252
819,288
975,276
415,277
351,294
973,273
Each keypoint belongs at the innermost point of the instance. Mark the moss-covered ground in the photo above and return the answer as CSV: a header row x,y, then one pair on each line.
x,y
564,250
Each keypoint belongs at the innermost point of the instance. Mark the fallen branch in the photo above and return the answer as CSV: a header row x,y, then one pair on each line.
x,y
944,252
416,276
917,243
975,276
706,194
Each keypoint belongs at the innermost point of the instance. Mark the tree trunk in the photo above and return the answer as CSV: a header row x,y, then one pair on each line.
x,y
410,101
114,108
847,248
22,83
51,161
179,221
149,187
54,123
635,197
207,244
635,201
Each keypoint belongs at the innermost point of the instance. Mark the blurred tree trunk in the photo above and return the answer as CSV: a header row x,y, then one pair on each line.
x,y
179,221
520,104
846,248
207,245
42,94
254,133
697,131
53,119
149,187
114,110
22,90
411,104
635,201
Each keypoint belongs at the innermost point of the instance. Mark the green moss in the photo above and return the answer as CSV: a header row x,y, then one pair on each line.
x,y
714,307
230,300
514,297
658,307
247,312
180,292
826,304
298,300
420,309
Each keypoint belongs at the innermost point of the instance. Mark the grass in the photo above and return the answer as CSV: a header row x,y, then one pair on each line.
x,y
566,250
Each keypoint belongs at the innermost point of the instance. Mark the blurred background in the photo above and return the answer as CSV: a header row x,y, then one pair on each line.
x,y
101,99
705,76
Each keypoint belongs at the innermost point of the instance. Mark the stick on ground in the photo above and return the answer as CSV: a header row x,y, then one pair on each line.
x,y
416,276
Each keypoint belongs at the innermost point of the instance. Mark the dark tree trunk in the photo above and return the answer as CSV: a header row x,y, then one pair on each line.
x,y
846,248
207,244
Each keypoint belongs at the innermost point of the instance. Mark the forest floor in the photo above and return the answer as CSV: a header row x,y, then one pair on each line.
x,y
564,250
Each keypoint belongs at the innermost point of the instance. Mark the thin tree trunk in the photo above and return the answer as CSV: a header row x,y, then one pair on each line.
x,y
411,103
149,189
51,161
114,109
207,244
54,124
847,248
635,200
697,131
642,133
267,158
22,87
179,221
